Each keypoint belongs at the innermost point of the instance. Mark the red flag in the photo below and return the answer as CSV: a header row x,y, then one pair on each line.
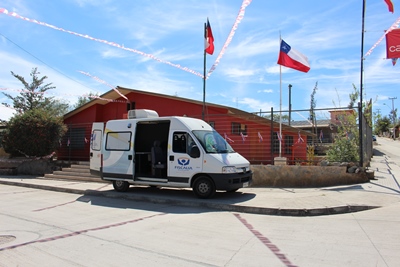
x,y
209,39
390,5
393,44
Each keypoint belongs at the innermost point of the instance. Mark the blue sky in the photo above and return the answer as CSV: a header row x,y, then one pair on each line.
x,y
247,76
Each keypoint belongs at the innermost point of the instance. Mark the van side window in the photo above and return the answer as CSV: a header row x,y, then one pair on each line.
x,y
118,141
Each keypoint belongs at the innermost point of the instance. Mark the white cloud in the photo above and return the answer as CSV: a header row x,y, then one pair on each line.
x,y
265,91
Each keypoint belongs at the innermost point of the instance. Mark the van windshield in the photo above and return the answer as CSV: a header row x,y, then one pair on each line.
x,y
213,142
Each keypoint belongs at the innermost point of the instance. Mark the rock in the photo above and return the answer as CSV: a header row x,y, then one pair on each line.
x,y
352,169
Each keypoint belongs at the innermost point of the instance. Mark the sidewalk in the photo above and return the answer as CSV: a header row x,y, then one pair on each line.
x,y
384,190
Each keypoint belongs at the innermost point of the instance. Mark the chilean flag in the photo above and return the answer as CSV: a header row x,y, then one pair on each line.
x,y
209,39
292,58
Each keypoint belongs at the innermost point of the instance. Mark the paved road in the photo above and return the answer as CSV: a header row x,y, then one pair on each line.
x,y
46,228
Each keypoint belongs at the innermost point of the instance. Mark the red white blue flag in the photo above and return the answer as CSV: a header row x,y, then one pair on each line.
x,y
243,136
279,136
291,58
300,139
209,39
260,138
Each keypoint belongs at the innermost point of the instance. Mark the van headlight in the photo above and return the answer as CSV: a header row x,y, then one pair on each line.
x,y
228,169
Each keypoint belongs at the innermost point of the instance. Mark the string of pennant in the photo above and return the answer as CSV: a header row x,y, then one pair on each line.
x,y
394,26
15,15
103,82
238,19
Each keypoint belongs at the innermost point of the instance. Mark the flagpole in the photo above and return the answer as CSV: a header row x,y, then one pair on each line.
x,y
360,117
280,104
204,77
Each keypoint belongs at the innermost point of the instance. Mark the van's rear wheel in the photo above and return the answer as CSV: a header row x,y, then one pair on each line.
x,y
121,186
204,187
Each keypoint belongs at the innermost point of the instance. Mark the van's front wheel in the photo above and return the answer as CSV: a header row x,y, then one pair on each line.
x,y
204,187
121,186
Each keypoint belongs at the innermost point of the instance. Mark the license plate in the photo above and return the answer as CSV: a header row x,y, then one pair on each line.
x,y
246,184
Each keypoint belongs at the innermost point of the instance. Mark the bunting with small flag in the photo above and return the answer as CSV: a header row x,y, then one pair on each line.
x,y
300,140
228,139
243,137
260,138
279,136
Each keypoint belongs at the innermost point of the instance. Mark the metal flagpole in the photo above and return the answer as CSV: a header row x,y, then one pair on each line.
x,y
280,103
360,117
204,76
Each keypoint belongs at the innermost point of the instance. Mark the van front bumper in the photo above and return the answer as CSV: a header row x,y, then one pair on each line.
x,y
231,181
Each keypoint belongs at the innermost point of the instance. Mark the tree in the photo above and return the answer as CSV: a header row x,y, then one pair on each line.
x,y
313,104
33,97
345,146
382,125
35,133
82,100
285,118
37,128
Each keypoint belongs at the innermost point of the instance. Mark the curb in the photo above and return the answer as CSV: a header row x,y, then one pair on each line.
x,y
203,203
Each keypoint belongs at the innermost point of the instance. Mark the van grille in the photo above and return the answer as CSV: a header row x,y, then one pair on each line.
x,y
240,180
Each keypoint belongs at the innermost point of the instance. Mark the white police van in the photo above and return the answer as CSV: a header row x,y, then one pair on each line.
x,y
146,149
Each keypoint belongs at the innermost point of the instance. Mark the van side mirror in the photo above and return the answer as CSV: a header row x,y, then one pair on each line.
x,y
194,152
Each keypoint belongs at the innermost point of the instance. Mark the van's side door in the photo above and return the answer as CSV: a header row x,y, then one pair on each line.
x,y
181,166
96,139
118,161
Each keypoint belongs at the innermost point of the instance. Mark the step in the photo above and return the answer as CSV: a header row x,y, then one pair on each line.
x,y
78,174
73,170
76,166
74,178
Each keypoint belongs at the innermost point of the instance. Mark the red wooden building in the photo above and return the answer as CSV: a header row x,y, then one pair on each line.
x,y
255,137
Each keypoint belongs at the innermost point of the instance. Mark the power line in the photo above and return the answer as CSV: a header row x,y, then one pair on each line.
x,y
43,61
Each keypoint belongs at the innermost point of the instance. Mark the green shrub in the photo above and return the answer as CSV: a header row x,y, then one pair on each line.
x,y
35,133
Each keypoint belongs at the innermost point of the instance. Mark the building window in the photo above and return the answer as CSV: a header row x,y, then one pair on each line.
x,y
238,128
288,144
130,106
75,138
275,143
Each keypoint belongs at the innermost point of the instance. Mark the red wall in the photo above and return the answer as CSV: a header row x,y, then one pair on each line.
x,y
255,151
